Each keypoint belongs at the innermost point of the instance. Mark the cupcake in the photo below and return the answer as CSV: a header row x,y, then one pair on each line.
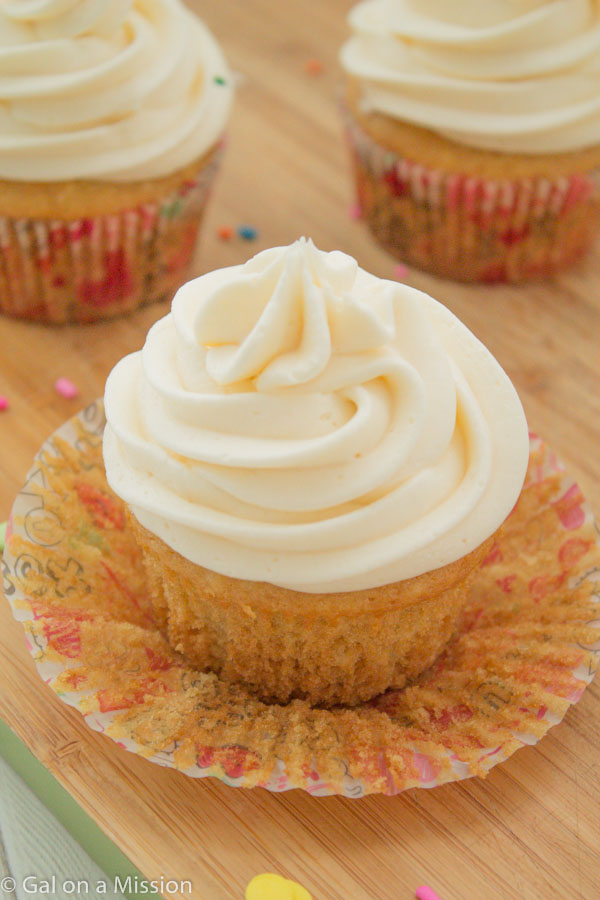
x,y
475,132
112,115
315,461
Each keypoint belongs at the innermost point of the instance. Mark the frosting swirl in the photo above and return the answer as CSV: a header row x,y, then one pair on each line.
x,y
299,421
106,89
516,76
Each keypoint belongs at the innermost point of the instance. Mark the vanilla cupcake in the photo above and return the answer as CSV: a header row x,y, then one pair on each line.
x,y
475,132
315,461
112,114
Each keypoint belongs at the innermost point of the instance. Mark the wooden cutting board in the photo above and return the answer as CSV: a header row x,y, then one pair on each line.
x,y
531,831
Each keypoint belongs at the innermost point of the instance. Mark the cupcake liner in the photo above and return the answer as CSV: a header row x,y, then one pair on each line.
x,y
101,266
527,646
473,228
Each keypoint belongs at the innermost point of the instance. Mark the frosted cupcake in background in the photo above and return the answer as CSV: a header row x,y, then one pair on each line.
x,y
316,461
112,114
475,130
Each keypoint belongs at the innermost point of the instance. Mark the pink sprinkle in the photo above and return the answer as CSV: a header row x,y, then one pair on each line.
x,y
400,272
4,404
426,893
354,211
66,388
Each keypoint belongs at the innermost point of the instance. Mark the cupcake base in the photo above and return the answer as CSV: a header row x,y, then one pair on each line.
x,y
477,219
325,648
526,647
93,251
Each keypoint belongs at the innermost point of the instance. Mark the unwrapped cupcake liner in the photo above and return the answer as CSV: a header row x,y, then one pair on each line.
x,y
473,228
527,646
98,267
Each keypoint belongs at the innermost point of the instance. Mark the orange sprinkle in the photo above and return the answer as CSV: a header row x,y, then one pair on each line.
x,y
313,66
225,232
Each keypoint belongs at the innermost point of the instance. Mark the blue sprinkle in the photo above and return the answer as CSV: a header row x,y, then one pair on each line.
x,y
247,232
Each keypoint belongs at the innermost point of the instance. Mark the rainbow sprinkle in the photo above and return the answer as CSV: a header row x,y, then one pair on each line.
x,y
66,388
426,893
225,232
274,887
247,232
313,66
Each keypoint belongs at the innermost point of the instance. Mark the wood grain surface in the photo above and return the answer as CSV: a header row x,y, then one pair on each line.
x,y
531,831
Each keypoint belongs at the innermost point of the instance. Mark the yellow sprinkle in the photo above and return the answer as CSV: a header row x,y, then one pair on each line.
x,y
275,887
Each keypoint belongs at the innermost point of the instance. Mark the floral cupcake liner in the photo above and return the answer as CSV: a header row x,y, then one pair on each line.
x,y
98,267
473,228
528,644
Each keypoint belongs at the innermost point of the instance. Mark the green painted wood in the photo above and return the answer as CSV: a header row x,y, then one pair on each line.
x,y
67,811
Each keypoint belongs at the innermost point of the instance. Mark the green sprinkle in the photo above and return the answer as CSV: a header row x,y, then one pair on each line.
x,y
218,79
3,535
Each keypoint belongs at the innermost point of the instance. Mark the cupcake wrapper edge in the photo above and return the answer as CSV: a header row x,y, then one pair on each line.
x,y
93,268
470,227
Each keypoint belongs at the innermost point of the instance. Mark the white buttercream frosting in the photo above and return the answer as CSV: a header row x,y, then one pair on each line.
x,y
517,76
107,89
299,421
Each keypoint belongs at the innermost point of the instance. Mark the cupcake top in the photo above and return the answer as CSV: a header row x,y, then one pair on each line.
x,y
518,76
299,421
119,90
